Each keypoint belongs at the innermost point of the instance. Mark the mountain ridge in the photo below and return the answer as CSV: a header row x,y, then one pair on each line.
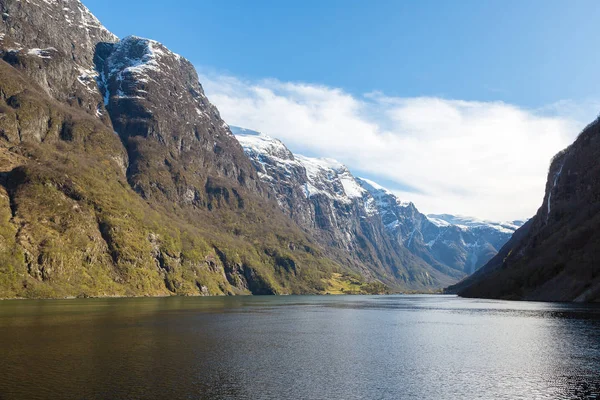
x,y
119,178
400,226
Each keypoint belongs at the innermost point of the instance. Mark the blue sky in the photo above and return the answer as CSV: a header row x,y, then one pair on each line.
x,y
524,52
455,105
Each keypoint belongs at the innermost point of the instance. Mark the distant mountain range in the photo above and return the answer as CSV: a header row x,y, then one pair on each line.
x,y
118,177
387,238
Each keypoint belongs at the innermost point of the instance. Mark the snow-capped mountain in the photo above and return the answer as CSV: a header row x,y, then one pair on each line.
x,y
470,239
124,180
324,198
457,242
323,195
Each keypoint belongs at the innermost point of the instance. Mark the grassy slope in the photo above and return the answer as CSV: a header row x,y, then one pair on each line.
x,y
70,225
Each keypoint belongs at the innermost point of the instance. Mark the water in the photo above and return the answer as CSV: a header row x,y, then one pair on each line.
x,y
298,347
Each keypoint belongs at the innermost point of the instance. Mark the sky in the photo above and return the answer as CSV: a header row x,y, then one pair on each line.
x,y
456,106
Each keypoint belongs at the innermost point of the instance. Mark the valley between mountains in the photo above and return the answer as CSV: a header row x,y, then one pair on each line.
x,y
120,178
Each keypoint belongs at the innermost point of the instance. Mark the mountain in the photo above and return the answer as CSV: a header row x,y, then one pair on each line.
x,y
466,241
119,177
323,197
556,255
445,241
386,238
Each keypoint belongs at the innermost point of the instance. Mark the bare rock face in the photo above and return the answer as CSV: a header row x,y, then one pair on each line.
x,y
118,177
179,147
54,43
381,235
369,223
556,255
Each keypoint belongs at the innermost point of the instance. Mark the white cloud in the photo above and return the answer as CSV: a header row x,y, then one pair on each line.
x,y
485,159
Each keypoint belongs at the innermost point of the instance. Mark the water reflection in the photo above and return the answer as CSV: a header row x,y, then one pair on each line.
x,y
354,347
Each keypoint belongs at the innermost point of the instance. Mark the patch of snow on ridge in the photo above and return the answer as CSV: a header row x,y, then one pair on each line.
x,y
138,57
88,78
352,189
147,61
438,222
263,144
317,166
381,194
324,176
374,186
466,223
42,53
146,56
236,130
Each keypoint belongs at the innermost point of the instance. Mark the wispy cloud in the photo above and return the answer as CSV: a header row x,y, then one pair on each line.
x,y
486,159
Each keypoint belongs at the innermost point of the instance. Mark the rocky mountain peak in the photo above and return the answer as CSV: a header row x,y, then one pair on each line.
x,y
134,65
316,176
54,43
158,107
324,196
260,144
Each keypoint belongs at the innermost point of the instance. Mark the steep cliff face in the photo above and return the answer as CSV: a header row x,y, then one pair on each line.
x,y
119,177
323,197
383,235
556,255
53,43
179,148
447,242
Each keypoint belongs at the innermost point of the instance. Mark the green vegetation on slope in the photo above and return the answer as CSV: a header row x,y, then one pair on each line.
x,y
70,224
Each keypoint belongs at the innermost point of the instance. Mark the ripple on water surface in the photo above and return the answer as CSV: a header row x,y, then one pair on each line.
x,y
299,347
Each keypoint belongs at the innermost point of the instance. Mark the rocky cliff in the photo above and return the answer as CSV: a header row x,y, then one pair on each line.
x,y
445,241
556,255
323,197
383,236
118,177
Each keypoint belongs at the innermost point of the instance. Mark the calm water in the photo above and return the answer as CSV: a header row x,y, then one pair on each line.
x,y
297,347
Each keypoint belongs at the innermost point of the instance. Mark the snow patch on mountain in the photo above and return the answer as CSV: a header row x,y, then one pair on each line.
x,y
465,223
42,53
261,145
461,243
330,178
380,193
323,176
438,222
147,54
136,62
